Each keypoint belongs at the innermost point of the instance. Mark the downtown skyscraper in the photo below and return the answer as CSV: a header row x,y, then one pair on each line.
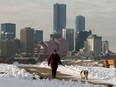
x,y
94,43
80,23
27,40
7,31
80,38
68,34
59,18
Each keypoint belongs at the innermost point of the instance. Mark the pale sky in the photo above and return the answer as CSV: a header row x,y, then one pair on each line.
x,y
100,16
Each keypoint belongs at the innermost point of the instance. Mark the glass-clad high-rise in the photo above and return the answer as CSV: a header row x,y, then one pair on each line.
x,y
80,23
68,34
7,31
39,35
59,18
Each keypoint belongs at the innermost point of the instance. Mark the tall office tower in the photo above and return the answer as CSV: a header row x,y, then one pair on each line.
x,y
39,35
59,18
68,34
80,23
80,37
7,48
7,31
105,46
27,40
95,45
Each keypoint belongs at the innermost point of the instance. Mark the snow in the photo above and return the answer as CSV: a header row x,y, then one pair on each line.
x,y
12,76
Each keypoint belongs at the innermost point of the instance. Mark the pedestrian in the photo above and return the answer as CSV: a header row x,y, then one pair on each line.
x,y
53,61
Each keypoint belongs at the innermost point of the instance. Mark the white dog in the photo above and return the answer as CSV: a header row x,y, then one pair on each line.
x,y
84,74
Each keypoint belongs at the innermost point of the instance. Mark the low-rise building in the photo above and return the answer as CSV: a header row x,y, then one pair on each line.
x,y
46,47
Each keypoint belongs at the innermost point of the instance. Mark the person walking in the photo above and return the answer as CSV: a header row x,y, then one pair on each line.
x,y
53,61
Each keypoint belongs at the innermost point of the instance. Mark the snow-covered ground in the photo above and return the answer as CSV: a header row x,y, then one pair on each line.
x,y
12,76
102,74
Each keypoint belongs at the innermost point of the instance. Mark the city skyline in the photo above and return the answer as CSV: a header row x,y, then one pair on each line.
x,y
100,16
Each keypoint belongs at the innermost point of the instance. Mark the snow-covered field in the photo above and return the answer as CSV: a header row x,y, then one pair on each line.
x,y
107,75
12,76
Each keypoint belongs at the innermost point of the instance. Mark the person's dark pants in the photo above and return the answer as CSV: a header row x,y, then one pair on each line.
x,y
54,70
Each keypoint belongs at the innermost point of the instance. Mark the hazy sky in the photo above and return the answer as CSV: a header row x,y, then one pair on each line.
x,y
100,15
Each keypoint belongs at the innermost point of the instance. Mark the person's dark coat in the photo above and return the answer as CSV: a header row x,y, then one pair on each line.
x,y
53,60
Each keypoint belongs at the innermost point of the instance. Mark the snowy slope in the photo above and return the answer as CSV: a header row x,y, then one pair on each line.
x,y
95,73
12,76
